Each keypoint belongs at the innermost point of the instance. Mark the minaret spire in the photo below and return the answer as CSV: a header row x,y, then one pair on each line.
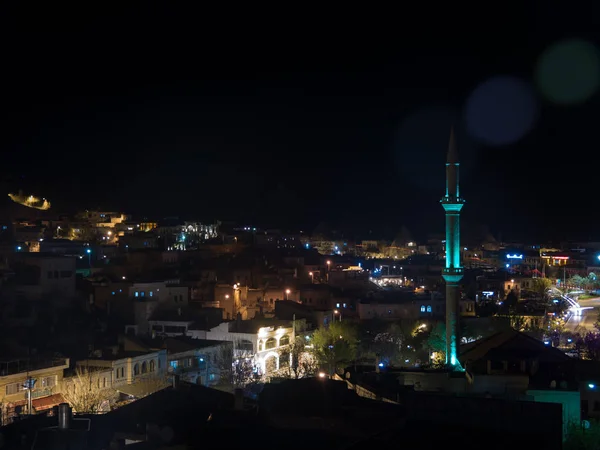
x,y
453,272
452,157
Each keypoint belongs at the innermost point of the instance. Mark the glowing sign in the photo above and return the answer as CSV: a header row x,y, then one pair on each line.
x,y
515,256
560,257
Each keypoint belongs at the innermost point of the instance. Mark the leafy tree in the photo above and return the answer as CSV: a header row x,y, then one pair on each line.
x,y
335,346
541,285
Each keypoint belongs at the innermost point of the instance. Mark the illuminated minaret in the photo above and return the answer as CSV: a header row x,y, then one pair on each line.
x,y
453,272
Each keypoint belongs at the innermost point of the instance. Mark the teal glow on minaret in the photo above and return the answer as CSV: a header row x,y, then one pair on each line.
x,y
453,271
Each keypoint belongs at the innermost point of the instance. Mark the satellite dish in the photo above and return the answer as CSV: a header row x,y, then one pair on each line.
x,y
166,434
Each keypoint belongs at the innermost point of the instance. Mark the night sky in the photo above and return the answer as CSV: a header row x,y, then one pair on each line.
x,y
170,113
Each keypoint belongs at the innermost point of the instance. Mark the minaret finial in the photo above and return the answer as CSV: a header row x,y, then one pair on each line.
x,y
452,151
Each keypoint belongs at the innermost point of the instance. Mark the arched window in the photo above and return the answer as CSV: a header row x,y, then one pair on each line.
x,y
144,367
271,343
260,346
284,340
428,308
422,308
152,365
136,369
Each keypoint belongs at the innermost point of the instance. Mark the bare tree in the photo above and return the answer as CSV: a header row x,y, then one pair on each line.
x,y
84,392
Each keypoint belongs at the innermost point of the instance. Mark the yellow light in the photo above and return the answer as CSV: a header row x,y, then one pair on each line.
x,y
322,375
287,291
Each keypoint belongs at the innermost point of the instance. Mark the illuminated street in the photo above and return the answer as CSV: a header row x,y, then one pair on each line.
x,y
588,316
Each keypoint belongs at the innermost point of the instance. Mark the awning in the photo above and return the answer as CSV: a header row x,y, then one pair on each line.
x,y
44,403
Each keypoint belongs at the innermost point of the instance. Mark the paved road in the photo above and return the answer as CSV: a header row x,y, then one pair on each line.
x,y
588,316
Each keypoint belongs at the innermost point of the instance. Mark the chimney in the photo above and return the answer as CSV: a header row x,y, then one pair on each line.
x,y
64,416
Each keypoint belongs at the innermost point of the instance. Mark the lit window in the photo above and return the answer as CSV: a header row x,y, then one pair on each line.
x,y
422,308
137,293
429,308
151,293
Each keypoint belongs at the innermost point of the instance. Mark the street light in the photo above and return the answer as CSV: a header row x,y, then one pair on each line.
x,y
287,292
335,311
89,253
312,277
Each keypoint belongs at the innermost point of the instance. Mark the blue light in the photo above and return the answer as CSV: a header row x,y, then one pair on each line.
x,y
307,245
508,265
592,386
380,364
18,248
514,256
88,251
546,342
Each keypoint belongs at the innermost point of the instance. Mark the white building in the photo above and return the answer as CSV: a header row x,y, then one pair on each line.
x,y
130,367
196,361
264,341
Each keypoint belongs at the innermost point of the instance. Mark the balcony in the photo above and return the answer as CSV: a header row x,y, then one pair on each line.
x,y
17,366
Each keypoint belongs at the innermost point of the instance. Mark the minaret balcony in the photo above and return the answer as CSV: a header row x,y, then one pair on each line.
x,y
452,203
453,274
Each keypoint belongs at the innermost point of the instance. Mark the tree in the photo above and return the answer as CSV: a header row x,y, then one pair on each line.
x,y
511,299
577,281
591,345
297,360
540,286
223,362
335,346
436,343
84,393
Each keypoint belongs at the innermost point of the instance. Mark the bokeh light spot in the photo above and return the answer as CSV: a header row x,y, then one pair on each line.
x,y
501,111
568,72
